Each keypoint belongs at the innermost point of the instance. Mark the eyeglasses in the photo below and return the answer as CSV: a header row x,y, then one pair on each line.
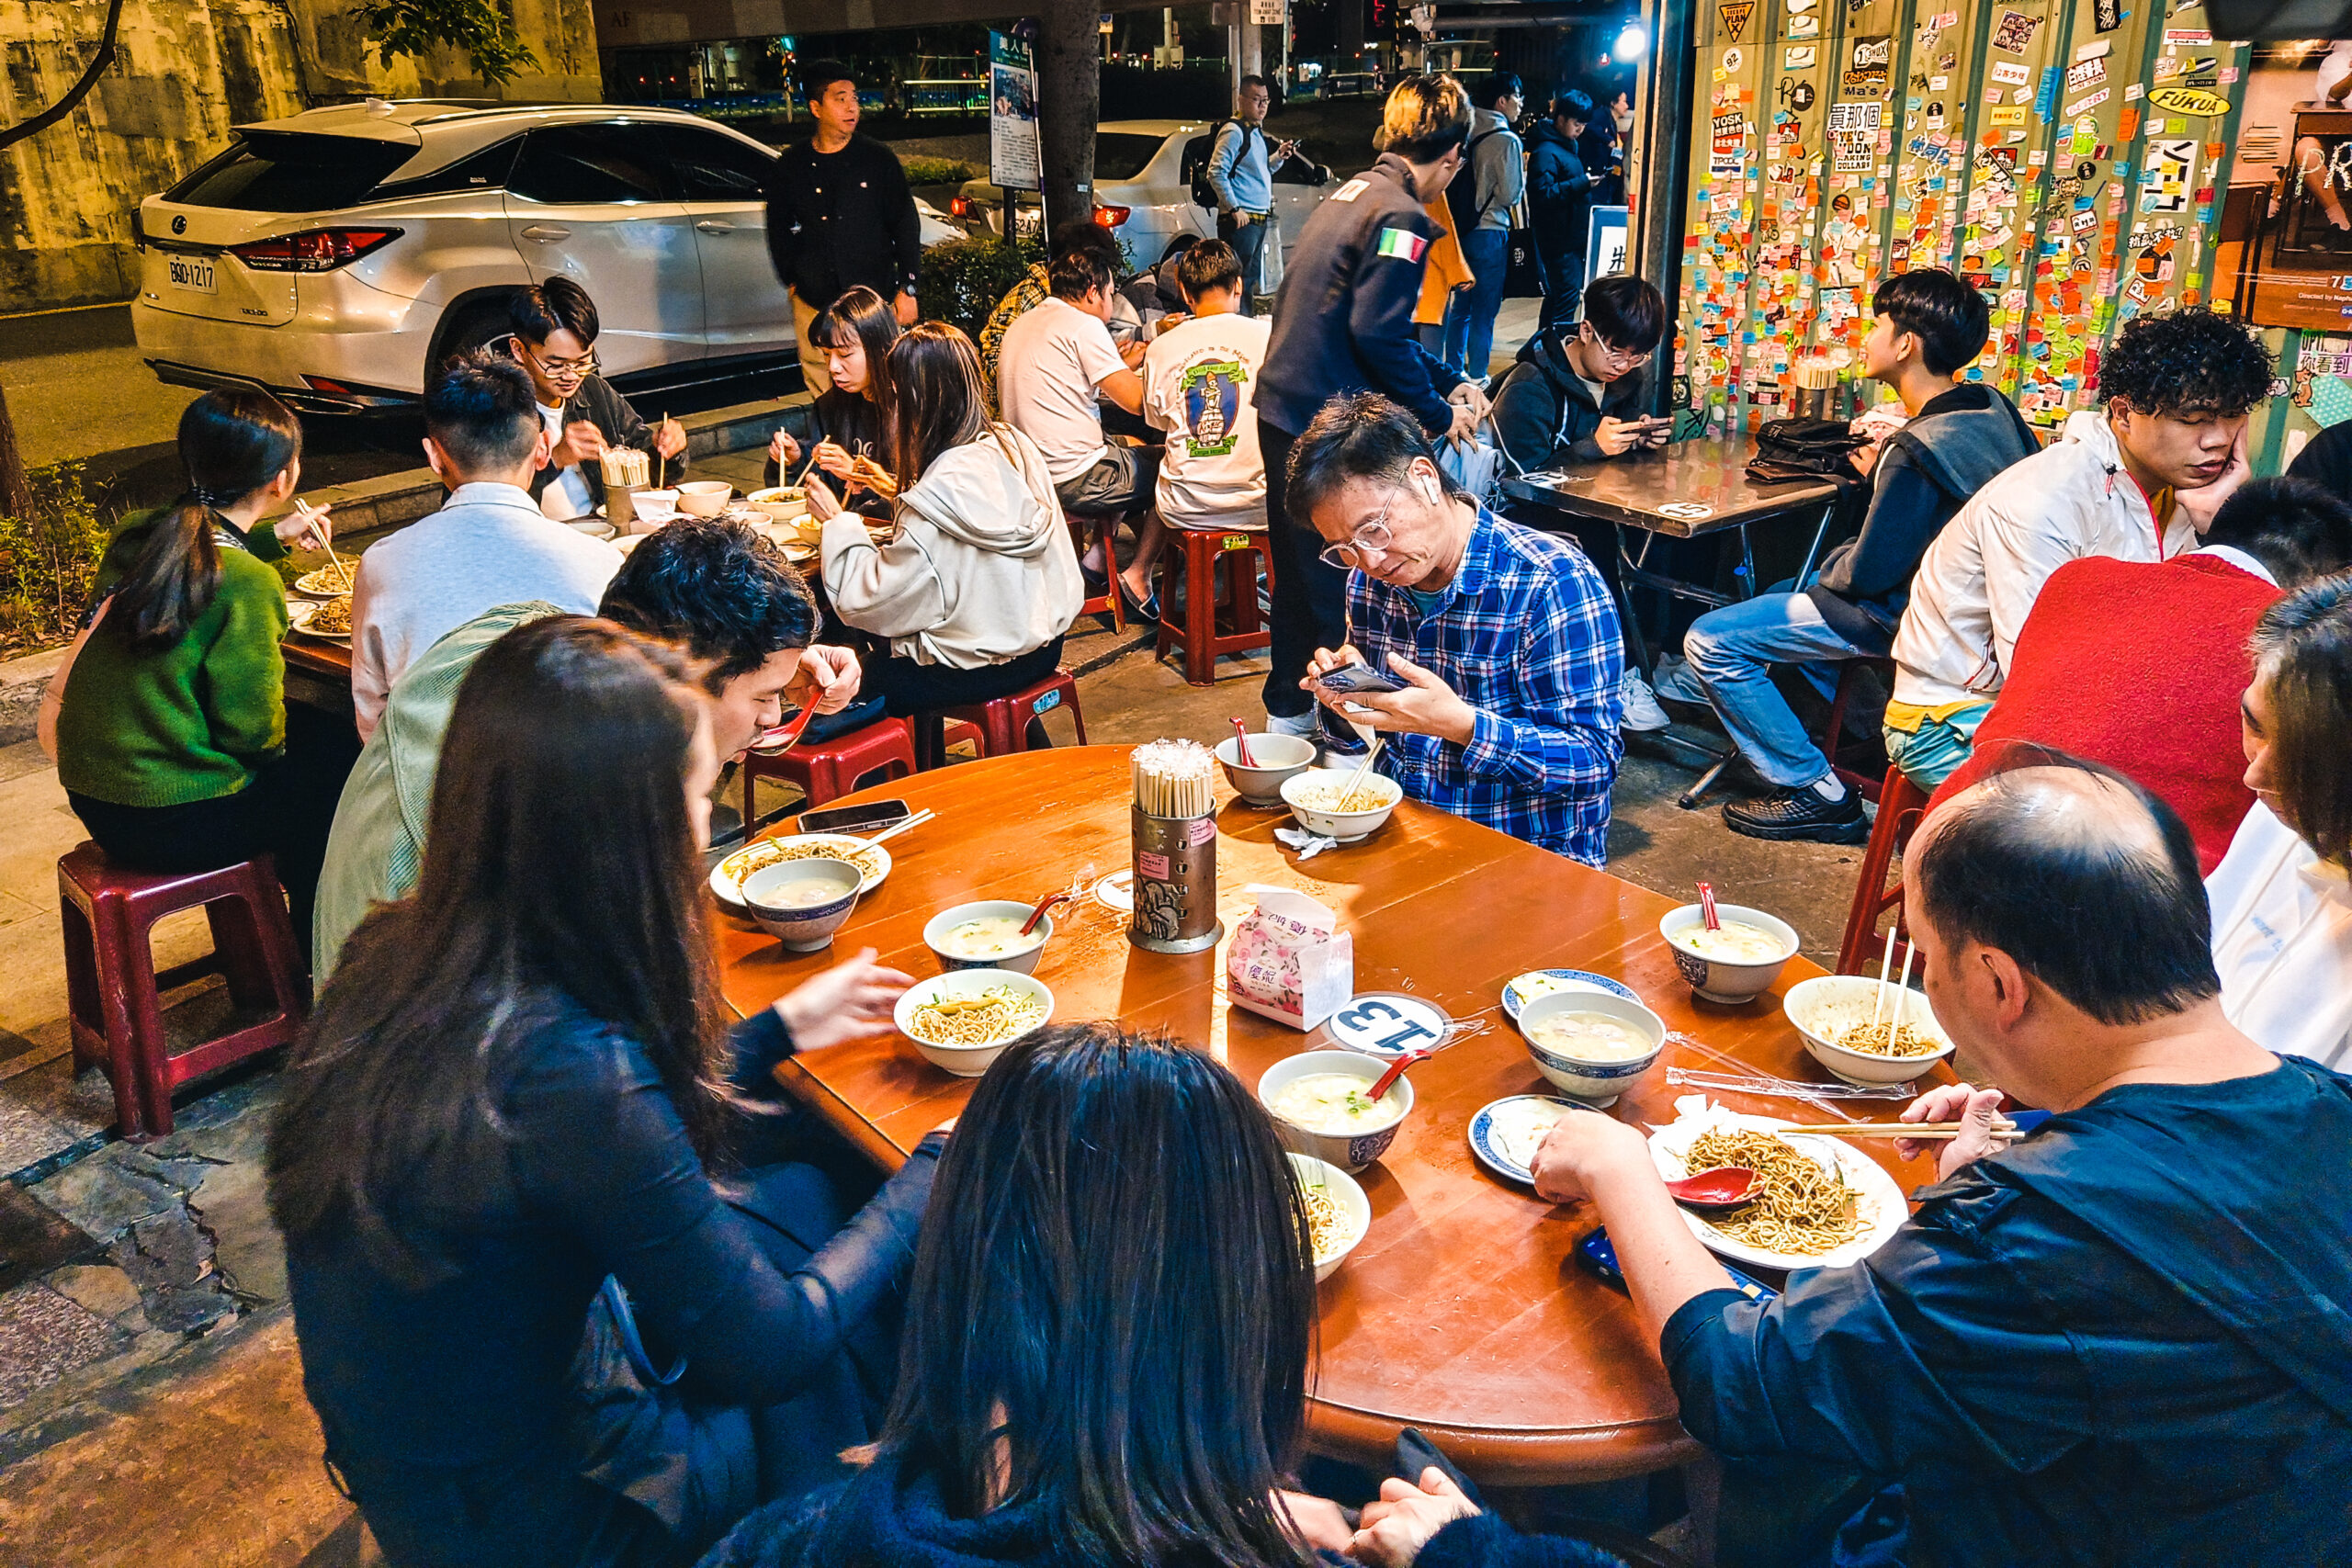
x,y
1621,358
1372,536
560,369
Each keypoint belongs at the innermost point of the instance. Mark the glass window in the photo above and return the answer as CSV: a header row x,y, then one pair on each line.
x,y
485,171
1124,154
714,167
280,170
587,165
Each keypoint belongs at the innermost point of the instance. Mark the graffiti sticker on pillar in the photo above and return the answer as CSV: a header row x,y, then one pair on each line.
x,y
1853,136
1734,14
2015,32
1865,76
2107,13
2166,181
2194,101
1806,26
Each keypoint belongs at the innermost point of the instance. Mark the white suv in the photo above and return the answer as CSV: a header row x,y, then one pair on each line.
x,y
333,257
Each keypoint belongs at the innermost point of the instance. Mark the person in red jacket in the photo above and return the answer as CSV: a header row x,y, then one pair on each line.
x,y
2140,664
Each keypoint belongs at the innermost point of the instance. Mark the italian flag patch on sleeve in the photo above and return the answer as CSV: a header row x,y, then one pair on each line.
x,y
1402,243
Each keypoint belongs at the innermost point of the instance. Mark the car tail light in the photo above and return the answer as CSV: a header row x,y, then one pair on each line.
x,y
322,384
958,208
313,250
1112,216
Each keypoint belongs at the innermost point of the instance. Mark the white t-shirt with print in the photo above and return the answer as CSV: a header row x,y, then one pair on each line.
x,y
1200,383
1053,359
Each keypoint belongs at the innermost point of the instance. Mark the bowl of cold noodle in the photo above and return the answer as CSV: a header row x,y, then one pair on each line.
x,y
1591,1045
1337,1212
1321,1101
1735,961
1864,1035
963,1020
802,903
987,935
1323,804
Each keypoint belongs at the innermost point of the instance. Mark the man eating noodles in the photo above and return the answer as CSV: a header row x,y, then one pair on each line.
x,y
2123,1338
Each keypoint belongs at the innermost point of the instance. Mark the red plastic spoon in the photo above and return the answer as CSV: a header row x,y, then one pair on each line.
x,y
1047,902
1241,744
1721,1188
1707,908
1387,1080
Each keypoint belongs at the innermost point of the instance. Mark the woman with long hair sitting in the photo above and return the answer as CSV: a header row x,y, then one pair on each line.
x,y
171,721
979,582
516,1085
2282,909
853,414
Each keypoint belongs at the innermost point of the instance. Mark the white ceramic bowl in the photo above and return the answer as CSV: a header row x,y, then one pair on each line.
x,y
782,504
1827,1005
1714,979
1594,1083
1276,757
1350,1151
935,929
803,927
967,1061
705,498
1347,827
1345,1193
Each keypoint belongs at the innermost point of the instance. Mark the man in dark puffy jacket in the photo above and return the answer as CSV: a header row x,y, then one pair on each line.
x,y
1577,394
1559,203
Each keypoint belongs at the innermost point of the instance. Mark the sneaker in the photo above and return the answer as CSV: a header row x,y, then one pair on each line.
x,y
1641,712
1801,813
1676,683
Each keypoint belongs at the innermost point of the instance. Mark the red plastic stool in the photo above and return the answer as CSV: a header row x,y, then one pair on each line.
x,y
1832,735
1901,804
1085,528
114,994
1232,554
1002,724
829,769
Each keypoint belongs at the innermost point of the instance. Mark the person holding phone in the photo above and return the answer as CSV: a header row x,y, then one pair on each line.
x,y
1577,394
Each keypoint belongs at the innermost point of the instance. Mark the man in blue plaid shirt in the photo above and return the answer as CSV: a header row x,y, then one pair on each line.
x,y
1505,639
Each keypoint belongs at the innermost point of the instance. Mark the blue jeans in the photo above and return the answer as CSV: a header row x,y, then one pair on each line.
x,y
1470,315
1731,652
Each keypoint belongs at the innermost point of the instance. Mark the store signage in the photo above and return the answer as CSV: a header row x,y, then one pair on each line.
x,y
1012,114
1866,77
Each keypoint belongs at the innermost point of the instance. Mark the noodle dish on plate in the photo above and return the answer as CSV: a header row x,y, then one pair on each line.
x,y
1819,1202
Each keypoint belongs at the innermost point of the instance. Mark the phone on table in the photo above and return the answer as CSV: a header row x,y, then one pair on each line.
x,y
863,819
1599,1258
1352,680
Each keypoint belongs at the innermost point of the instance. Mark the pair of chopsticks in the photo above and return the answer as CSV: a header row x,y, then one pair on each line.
x,y
1927,1131
308,513
895,829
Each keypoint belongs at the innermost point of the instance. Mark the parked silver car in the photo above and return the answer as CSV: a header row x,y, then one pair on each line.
x,y
331,257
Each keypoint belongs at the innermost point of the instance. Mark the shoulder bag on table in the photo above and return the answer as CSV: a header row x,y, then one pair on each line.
x,y
1792,449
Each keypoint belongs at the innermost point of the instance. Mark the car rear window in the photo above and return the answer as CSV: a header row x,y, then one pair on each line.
x,y
285,170
1122,154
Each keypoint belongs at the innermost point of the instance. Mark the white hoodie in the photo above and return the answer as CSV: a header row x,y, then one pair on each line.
x,y
981,571
1979,580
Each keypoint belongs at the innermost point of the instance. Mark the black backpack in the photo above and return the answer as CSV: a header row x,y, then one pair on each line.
x,y
1462,196
1204,193
1789,449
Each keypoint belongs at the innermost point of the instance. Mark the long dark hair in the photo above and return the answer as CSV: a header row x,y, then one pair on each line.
x,y
864,315
231,443
559,867
1113,1281
937,402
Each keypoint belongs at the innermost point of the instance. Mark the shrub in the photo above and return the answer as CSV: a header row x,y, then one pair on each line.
x,y
49,562
938,171
963,279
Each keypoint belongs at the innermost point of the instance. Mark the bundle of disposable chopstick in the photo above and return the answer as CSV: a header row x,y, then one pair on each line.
x,y
1173,778
625,465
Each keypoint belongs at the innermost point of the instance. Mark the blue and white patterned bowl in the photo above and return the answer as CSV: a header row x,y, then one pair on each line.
x,y
1350,1151
1596,1083
1515,996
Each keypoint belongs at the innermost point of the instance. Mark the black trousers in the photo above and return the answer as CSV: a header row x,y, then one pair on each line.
x,y
1562,284
1310,598
908,688
1249,242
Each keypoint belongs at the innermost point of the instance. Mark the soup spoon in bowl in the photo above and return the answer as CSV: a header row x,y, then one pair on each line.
x,y
1726,1186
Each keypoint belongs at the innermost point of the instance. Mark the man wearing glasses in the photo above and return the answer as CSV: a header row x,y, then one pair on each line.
x,y
555,329
1499,644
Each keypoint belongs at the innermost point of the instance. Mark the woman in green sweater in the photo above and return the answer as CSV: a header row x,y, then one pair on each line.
x,y
172,732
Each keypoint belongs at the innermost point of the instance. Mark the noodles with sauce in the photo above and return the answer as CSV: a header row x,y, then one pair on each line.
x,y
998,1013
1798,1208
1328,1231
1890,1040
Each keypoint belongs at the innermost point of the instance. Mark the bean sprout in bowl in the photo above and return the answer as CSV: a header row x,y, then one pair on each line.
x,y
1319,1100
1834,1015
1320,800
962,1022
987,935
1337,1212
1589,1044
1734,963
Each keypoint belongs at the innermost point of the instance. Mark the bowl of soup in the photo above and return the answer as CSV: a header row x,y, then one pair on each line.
x,y
1734,963
780,503
802,903
1273,759
1338,1211
1864,1034
1591,1045
987,935
1321,1100
705,498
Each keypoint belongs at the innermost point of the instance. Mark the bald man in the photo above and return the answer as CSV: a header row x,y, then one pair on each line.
x,y
2127,1337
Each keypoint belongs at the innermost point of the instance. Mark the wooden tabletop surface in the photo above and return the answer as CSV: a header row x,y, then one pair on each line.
x,y
1462,1312
1710,472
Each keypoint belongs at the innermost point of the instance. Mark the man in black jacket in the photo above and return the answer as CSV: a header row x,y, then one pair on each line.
x,y
1559,203
1929,326
1344,323
1577,394
554,338
840,215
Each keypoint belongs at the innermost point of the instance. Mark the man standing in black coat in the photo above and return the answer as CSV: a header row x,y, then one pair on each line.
x,y
1559,204
840,215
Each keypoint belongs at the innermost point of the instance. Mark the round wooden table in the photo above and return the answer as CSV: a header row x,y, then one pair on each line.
x,y
1462,1312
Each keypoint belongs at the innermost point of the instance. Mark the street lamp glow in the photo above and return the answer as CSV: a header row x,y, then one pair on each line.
x,y
1630,44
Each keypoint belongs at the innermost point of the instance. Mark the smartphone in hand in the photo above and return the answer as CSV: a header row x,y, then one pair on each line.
x,y
1354,680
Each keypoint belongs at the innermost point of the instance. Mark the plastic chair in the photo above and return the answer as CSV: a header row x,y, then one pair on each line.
x,y
1833,737
1086,528
114,993
1004,723
1209,555
826,769
1901,804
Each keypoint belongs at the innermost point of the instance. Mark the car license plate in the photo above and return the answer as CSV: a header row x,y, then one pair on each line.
x,y
192,273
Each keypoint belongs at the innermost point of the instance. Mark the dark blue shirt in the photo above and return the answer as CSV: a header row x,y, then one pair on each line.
x,y
2124,1339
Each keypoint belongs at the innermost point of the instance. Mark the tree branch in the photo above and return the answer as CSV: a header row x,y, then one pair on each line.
x,y
12,134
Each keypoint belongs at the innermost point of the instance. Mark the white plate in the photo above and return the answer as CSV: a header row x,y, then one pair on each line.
x,y
1388,1024
299,612
727,877
1516,993
1486,1142
329,586
1879,1201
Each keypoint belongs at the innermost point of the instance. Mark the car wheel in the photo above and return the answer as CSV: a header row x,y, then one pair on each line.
x,y
1177,247
474,325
